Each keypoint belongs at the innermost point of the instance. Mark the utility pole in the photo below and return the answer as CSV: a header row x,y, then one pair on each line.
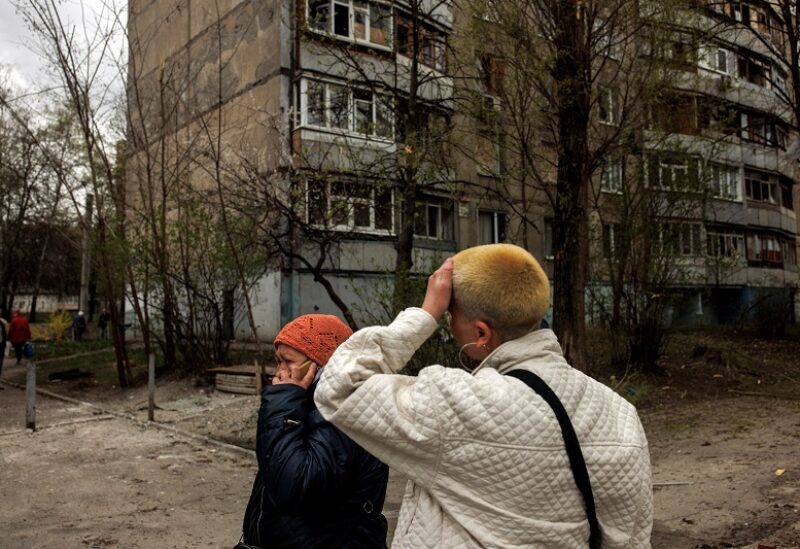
x,y
86,251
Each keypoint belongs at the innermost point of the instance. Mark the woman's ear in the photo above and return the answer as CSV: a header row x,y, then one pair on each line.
x,y
484,333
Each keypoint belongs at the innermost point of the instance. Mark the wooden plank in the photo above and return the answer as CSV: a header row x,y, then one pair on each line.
x,y
236,389
245,369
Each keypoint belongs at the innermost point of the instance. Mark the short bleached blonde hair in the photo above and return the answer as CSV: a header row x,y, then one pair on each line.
x,y
503,285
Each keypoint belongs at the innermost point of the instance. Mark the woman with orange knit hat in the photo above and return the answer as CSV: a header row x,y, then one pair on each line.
x,y
315,487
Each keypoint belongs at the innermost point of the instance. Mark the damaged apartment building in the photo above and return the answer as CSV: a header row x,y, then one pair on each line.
x,y
346,101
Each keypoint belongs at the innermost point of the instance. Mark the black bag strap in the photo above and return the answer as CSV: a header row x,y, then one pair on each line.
x,y
576,460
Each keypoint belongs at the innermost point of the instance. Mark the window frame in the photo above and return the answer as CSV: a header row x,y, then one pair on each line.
x,y
712,52
613,172
432,42
372,201
607,102
732,181
498,219
681,229
372,7
445,212
725,245
379,110
609,239
762,180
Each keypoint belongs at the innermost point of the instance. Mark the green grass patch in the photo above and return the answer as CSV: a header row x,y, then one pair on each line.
x,y
50,349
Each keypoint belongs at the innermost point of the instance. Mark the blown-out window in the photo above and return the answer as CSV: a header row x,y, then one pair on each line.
x,y
358,20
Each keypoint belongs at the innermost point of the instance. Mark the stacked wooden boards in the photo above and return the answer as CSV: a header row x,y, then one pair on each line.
x,y
242,379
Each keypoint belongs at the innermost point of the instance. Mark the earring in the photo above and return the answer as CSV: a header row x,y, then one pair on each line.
x,y
486,347
461,360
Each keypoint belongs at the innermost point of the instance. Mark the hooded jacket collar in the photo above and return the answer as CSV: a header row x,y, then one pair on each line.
x,y
538,346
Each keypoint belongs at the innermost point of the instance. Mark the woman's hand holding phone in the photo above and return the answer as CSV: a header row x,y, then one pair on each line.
x,y
301,375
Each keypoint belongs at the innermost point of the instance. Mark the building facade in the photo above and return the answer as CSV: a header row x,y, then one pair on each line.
x,y
347,103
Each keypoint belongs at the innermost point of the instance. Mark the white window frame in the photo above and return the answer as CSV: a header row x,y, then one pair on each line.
x,y
769,183
607,100
606,44
611,177
611,229
725,181
379,110
709,60
682,229
673,168
498,217
732,245
441,205
423,208
351,35
351,202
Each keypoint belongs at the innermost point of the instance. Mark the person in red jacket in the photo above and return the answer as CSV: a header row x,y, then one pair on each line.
x,y
19,332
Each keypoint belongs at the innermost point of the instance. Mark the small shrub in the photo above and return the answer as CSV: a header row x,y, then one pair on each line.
x,y
40,333
60,323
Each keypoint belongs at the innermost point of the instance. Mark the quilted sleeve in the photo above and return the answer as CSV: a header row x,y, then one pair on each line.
x,y
393,417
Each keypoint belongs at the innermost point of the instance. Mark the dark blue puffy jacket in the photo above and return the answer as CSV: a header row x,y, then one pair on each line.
x,y
315,488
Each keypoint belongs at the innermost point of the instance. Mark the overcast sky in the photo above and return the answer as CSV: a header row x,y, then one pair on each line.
x,y
24,67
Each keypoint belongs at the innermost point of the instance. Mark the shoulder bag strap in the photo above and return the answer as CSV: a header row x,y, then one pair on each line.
x,y
576,460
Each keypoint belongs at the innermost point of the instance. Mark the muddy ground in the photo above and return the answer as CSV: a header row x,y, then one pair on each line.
x,y
726,464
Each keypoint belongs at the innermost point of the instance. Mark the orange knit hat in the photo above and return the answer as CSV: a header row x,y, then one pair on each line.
x,y
316,336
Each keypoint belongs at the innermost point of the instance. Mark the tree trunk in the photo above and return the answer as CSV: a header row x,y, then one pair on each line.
x,y
570,230
404,247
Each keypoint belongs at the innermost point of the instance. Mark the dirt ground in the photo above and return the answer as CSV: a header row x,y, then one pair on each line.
x,y
726,464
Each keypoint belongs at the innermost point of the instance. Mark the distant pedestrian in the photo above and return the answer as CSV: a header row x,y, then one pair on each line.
x,y
102,324
19,333
79,326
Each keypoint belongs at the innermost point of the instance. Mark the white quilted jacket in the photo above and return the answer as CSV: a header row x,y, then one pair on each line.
x,y
483,452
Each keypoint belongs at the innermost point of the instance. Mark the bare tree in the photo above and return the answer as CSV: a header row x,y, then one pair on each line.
x,y
573,82
78,56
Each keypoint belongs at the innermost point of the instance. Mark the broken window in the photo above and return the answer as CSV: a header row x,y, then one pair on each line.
x,y
319,15
759,186
380,29
786,193
431,43
341,19
359,20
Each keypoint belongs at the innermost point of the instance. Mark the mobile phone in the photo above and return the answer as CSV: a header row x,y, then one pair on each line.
x,y
305,366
